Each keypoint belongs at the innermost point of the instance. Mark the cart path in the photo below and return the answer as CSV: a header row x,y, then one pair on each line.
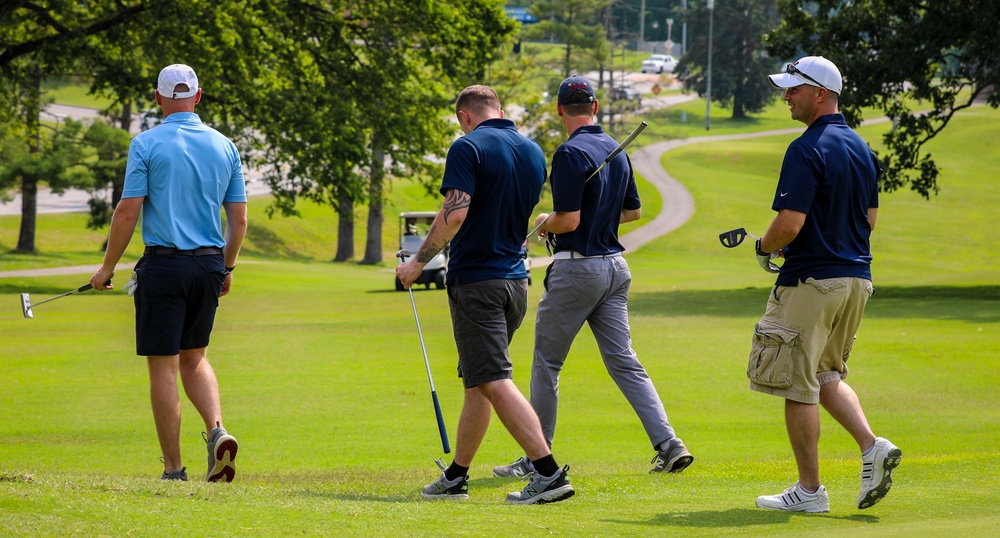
x,y
678,204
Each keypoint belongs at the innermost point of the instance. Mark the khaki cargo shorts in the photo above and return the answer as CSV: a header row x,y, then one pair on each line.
x,y
805,337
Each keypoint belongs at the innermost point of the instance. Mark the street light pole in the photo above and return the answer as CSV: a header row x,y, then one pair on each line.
x,y
708,94
684,29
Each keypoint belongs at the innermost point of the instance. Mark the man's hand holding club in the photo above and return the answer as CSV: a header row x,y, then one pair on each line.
x,y
764,259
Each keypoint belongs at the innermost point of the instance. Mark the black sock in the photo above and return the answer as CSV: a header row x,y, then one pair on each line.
x,y
546,466
455,471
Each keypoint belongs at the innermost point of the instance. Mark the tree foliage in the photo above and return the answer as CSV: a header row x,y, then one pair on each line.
x,y
327,97
740,64
576,24
901,57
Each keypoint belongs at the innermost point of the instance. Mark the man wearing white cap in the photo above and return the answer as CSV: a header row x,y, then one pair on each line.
x,y
826,203
180,176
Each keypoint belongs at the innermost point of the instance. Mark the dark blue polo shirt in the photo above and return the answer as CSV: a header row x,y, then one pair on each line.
x,y
831,175
504,172
600,201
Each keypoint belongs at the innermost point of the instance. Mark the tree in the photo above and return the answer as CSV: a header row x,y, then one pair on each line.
x,y
575,24
740,63
901,57
110,148
58,159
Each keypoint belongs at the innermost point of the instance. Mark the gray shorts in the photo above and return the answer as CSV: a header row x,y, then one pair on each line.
x,y
484,316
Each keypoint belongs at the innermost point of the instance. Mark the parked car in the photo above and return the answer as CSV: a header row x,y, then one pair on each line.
x,y
658,63
626,97
413,229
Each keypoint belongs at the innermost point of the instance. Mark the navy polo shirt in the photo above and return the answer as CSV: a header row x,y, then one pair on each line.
x,y
830,174
504,171
600,201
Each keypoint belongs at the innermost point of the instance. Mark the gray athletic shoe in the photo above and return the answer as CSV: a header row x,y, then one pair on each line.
x,y
222,449
673,460
179,474
876,472
442,488
543,489
519,467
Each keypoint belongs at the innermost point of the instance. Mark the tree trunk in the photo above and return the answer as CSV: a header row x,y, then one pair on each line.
x,y
29,184
373,246
345,227
739,111
600,85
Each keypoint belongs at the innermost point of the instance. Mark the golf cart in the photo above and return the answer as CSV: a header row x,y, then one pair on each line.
x,y
413,229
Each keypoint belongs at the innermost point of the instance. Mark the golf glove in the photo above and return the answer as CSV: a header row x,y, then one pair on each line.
x,y
764,259
129,287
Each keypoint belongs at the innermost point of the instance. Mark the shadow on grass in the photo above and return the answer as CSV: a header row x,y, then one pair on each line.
x,y
737,517
267,243
972,304
39,292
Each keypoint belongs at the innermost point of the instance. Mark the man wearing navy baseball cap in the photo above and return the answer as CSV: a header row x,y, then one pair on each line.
x,y
589,279
826,203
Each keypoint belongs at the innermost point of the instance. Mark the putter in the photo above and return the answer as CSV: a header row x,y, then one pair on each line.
x,y
733,238
402,255
26,305
621,147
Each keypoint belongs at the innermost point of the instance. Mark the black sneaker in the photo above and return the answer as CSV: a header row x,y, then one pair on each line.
x,y
179,474
442,488
543,489
672,460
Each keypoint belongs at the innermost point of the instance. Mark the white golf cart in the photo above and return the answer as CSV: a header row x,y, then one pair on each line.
x,y
413,229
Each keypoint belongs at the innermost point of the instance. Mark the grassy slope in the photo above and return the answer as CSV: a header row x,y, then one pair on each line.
x,y
323,383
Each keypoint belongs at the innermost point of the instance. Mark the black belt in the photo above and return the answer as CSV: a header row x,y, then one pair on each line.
x,y
200,251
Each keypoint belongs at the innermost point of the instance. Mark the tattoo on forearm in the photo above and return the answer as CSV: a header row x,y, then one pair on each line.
x,y
455,200
428,250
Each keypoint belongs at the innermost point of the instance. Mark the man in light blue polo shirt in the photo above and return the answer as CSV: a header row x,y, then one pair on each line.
x,y
180,176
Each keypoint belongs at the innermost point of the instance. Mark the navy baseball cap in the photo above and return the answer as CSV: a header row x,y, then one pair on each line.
x,y
571,86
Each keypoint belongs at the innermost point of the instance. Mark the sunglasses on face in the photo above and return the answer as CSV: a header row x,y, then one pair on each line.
x,y
792,70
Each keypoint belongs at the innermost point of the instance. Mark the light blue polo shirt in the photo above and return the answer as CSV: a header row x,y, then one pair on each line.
x,y
186,170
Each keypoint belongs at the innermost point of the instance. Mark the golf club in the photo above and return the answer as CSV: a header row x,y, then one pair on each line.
x,y
402,255
621,147
733,238
26,305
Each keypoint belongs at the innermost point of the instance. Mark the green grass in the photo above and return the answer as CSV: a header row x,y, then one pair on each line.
x,y
73,92
323,382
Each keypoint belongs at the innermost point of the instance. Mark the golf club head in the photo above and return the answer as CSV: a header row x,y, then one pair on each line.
x,y
403,254
26,306
733,238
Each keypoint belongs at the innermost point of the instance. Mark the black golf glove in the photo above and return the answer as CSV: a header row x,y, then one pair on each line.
x,y
764,259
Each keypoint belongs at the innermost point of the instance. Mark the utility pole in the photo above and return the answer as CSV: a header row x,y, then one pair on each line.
x,y
708,94
642,24
684,28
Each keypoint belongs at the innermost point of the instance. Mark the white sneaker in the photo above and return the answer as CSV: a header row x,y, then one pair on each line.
x,y
795,499
876,472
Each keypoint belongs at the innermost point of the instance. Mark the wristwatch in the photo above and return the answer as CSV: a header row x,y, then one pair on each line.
x,y
230,269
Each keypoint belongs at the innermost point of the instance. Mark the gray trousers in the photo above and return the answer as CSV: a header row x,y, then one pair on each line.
x,y
592,290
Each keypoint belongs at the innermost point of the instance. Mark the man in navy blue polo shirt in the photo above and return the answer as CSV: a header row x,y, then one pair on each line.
x,y
826,203
492,180
589,280
180,175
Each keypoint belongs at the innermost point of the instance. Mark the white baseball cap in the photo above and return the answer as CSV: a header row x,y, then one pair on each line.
x,y
171,76
811,70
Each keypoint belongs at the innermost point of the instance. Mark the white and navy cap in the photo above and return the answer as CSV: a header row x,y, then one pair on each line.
x,y
812,70
173,75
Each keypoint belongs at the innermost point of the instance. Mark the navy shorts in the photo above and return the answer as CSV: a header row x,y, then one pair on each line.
x,y
484,316
175,302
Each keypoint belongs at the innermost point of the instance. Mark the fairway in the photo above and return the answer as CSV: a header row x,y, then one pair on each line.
x,y
322,381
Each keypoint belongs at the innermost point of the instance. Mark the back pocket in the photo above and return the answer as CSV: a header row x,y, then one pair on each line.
x,y
770,361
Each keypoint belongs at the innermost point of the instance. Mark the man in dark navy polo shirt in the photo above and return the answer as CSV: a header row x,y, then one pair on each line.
x,y
827,204
589,280
492,180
